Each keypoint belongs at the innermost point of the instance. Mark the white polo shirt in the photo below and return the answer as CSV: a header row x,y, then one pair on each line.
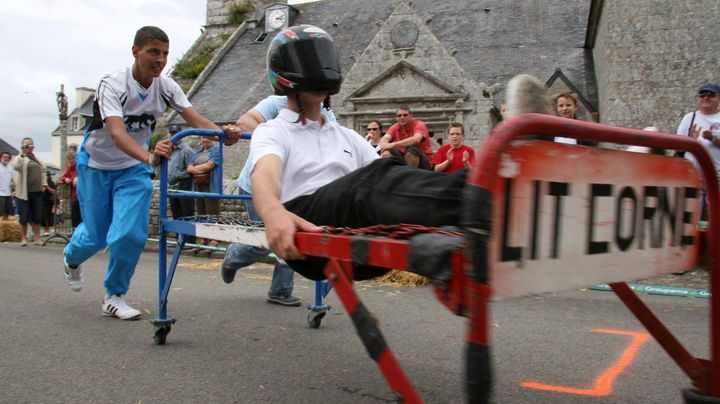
x,y
312,155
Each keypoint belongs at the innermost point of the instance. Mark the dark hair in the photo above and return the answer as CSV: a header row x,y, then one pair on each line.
x,y
404,108
456,125
415,151
4,153
395,154
377,122
147,34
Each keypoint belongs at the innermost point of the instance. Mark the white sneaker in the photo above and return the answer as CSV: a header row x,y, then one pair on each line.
x,y
73,276
116,306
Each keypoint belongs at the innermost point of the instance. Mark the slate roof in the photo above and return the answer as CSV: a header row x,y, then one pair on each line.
x,y
86,109
494,39
5,147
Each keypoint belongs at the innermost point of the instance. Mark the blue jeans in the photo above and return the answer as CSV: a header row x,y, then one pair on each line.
x,y
241,255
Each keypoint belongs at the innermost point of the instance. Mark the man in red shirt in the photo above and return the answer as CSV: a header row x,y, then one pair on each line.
x,y
454,155
408,131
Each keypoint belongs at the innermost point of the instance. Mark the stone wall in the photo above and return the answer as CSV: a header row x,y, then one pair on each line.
x,y
219,10
651,56
432,83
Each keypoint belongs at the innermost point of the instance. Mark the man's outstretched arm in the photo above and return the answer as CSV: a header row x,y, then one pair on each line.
x,y
280,224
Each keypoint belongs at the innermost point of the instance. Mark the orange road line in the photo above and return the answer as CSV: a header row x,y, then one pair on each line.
x,y
603,384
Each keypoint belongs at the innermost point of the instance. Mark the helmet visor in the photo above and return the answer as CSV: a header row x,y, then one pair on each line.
x,y
316,59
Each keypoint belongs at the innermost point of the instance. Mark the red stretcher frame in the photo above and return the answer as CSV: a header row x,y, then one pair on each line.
x,y
469,291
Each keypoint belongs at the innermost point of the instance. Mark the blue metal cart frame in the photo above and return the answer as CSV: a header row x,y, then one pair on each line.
x,y
163,323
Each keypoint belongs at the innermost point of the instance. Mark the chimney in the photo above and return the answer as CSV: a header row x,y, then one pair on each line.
x,y
82,94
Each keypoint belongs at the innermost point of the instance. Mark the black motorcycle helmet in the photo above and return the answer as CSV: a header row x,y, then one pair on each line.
x,y
303,58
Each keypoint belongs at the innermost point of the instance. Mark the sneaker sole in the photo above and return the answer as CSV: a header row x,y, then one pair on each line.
x,y
106,314
75,288
282,303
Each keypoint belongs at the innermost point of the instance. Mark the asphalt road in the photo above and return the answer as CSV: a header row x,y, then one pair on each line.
x,y
229,346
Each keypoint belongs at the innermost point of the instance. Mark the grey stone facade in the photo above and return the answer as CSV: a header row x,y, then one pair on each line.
x,y
436,57
218,11
405,64
651,56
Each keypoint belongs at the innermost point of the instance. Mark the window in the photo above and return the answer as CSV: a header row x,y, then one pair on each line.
x,y
260,38
76,123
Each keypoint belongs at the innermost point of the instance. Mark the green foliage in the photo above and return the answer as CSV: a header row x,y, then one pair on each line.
x,y
239,11
156,137
189,68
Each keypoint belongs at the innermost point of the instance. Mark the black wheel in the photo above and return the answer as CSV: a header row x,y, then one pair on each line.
x,y
161,334
315,318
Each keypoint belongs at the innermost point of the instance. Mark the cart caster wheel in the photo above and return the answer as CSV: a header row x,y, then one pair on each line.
x,y
315,318
161,334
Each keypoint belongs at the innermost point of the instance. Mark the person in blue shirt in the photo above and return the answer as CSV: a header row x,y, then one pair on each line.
x,y
240,255
203,166
180,179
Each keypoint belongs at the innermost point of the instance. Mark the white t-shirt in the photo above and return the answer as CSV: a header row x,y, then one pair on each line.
x,y
704,122
6,176
312,155
118,94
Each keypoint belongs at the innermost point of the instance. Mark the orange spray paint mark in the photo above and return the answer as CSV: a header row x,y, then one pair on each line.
x,y
603,384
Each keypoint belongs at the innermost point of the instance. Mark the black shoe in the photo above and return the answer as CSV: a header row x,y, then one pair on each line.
x,y
226,270
228,273
284,301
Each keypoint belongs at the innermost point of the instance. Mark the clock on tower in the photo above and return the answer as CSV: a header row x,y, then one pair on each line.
x,y
276,18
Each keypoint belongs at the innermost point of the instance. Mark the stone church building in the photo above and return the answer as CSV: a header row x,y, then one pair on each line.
x,y
633,63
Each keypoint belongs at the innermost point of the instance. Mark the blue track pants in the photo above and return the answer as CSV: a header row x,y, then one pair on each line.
x,y
115,207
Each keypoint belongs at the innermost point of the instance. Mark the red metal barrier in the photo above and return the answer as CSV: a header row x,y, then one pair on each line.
x,y
704,374
470,291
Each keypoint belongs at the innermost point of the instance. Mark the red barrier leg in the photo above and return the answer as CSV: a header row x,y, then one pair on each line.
x,y
478,378
369,332
692,366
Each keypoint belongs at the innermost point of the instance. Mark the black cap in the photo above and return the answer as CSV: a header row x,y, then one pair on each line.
x,y
710,87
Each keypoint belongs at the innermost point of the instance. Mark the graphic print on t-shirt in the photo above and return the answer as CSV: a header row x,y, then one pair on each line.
x,y
135,123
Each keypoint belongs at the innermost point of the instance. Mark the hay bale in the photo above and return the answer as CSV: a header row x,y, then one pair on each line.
x,y
403,278
10,230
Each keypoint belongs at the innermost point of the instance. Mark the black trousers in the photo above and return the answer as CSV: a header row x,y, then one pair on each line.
x,y
384,192
183,207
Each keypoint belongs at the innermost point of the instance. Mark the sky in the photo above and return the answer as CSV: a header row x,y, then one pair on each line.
x,y
74,42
